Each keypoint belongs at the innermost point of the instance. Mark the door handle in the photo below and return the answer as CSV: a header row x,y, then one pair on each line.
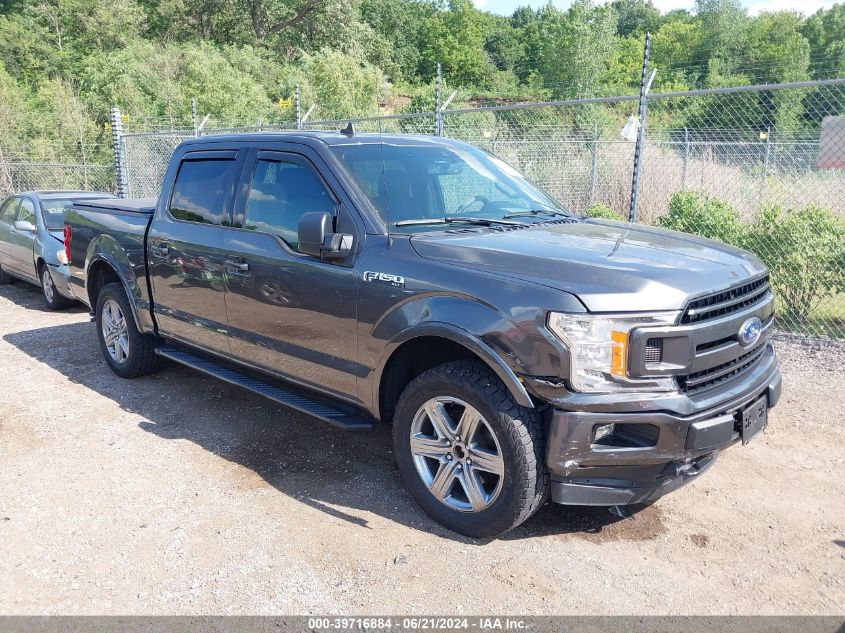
x,y
236,266
159,250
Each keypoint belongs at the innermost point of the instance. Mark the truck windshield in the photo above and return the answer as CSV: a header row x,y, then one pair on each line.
x,y
409,184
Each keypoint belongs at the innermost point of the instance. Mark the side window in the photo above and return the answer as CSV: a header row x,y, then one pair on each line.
x,y
201,190
281,192
27,212
9,210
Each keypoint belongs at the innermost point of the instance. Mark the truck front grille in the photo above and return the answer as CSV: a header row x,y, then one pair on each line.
x,y
715,376
727,301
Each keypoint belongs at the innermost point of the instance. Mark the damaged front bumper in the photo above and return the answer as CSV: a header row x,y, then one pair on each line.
x,y
643,455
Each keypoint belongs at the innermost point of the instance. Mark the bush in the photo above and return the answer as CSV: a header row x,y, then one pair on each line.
x,y
698,213
603,212
805,252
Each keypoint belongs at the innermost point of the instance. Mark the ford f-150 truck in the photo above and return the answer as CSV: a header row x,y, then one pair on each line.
x,y
518,350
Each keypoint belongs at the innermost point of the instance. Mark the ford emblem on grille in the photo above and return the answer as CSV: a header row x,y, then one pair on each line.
x,y
750,331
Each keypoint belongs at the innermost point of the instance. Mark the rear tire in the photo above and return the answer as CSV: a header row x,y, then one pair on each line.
x,y
54,300
488,480
5,278
128,353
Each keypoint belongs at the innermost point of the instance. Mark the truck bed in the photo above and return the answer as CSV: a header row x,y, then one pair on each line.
x,y
145,206
114,231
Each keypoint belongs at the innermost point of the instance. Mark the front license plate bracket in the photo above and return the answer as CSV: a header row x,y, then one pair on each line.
x,y
754,419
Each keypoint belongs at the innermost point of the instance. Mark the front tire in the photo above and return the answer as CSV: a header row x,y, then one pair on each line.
x,y
54,300
470,455
128,352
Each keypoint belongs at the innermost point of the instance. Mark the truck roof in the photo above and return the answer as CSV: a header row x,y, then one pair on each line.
x,y
328,138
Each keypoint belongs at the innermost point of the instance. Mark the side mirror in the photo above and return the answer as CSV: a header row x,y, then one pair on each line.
x,y
24,226
316,237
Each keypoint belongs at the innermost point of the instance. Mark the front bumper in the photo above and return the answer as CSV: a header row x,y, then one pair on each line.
x,y
654,452
61,279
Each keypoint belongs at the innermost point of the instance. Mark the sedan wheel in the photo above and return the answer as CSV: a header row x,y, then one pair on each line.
x,y
47,285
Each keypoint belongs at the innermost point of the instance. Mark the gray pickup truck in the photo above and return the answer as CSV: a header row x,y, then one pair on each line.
x,y
519,351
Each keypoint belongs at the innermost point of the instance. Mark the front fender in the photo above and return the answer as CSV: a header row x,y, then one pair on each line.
x,y
104,248
490,335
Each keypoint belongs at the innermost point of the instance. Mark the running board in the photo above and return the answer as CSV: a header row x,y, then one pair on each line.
x,y
326,413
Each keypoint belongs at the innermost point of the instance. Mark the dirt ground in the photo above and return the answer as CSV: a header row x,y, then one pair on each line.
x,y
178,494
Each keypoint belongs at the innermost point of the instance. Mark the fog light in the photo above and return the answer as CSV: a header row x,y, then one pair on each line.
x,y
602,431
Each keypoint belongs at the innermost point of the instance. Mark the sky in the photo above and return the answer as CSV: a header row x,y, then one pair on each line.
x,y
807,7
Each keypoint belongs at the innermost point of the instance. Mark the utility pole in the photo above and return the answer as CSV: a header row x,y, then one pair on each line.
x,y
119,158
438,114
645,85
297,105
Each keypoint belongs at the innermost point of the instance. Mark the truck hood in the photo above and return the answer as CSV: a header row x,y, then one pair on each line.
x,y
609,266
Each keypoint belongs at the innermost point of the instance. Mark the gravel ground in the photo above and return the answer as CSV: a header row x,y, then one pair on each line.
x,y
178,494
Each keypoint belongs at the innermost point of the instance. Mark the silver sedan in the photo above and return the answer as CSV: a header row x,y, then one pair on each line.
x,y
32,241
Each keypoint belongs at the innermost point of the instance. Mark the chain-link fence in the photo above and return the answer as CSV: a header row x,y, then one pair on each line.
x,y
758,167
22,176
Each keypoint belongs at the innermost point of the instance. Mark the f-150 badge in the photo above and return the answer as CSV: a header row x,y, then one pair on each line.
x,y
393,280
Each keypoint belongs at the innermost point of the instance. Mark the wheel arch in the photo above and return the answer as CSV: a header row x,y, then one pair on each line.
x,y
102,272
428,346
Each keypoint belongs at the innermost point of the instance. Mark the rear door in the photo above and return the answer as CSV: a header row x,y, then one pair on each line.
x,y
21,260
185,248
291,313
8,215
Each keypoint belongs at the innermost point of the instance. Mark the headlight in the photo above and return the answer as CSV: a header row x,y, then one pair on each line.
x,y
598,350
61,256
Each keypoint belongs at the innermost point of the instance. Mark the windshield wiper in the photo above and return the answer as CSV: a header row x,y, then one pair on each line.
x,y
456,220
533,212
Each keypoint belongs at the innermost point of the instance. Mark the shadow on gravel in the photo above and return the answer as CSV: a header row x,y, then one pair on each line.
x,y
344,475
27,295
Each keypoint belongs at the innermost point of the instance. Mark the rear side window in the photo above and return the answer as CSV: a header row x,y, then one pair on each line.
x,y
281,192
27,212
9,210
201,191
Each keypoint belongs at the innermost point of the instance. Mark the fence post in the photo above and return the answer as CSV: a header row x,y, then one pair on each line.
x,y
638,150
194,116
297,105
438,114
119,156
595,160
766,162
686,160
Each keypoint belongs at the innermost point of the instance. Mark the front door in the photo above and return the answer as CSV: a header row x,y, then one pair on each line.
x,y
185,249
21,260
288,312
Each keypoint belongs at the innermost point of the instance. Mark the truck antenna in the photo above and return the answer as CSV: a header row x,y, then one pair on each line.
x,y
349,130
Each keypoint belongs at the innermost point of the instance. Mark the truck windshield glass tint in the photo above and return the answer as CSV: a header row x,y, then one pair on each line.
x,y
201,190
281,192
414,182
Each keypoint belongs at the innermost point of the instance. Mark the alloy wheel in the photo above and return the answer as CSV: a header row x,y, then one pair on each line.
x,y
457,454
47,285
115,334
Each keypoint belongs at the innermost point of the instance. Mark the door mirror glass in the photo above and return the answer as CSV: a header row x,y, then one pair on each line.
x,y
25,226
316,237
